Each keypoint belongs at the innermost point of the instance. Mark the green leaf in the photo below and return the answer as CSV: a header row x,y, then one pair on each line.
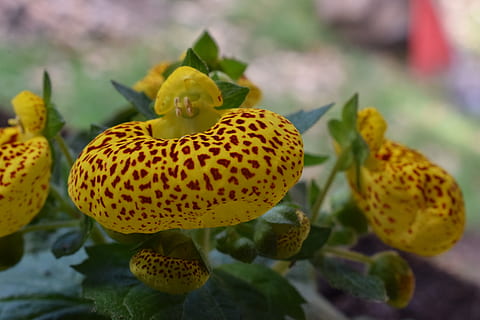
x,y
138,99
233,68
349,215
46,306
119,295
298,195
344,277
206,48
73,240
313,159
304,120
47,88
193,60
339,132
282,298
315,240
233,95
349,113
282,214
343,236
360,152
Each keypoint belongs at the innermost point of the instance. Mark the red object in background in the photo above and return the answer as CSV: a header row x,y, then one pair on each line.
x,y
429,50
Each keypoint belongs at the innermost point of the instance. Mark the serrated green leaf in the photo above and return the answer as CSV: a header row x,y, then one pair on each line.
x,y
73,240
193,60
206,48
47,88
344,277
233,68
282,298
138,99
233,95
315,240
349,113
304,120
313,159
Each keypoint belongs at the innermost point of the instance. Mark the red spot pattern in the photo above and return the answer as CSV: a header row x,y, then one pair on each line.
x,y
214,178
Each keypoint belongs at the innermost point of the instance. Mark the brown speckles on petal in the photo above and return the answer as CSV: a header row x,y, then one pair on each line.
x,y
222,176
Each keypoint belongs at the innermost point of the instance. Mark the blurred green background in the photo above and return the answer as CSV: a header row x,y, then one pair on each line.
x,y
300,53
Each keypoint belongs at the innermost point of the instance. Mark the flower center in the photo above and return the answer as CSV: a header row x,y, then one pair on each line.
x,y
186,101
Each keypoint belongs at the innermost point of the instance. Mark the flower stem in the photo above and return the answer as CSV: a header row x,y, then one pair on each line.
x,y
97,235
323,192
281,267
67,207
349,255
64,148
52,225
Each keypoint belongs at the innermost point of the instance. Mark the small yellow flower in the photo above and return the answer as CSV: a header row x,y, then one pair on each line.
x,y
25,162
192,168
152,82
411,203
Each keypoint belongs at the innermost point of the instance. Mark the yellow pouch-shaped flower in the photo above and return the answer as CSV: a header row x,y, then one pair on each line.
x,y
193,168
411,203
25,162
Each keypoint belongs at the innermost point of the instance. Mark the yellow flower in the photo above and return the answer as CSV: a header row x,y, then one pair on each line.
x,y
25,162
216,170
254,95
411,203
152,82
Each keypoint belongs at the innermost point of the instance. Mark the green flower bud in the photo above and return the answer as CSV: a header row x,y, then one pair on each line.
x,y
171,263
281,231
241,248
397,275
11,250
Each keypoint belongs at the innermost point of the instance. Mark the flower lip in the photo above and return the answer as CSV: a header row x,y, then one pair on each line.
x,y
132,182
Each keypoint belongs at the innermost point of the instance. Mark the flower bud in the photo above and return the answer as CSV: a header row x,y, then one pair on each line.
x,y
11,250
240,248
171,264
281,231
398,277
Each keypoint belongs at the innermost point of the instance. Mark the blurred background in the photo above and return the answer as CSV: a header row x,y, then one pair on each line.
x,y
417,61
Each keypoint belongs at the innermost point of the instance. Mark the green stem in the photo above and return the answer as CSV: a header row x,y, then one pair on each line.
x,y
97,235
67,207
281,267
349,255
206,240
52,225
323,192
64,148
